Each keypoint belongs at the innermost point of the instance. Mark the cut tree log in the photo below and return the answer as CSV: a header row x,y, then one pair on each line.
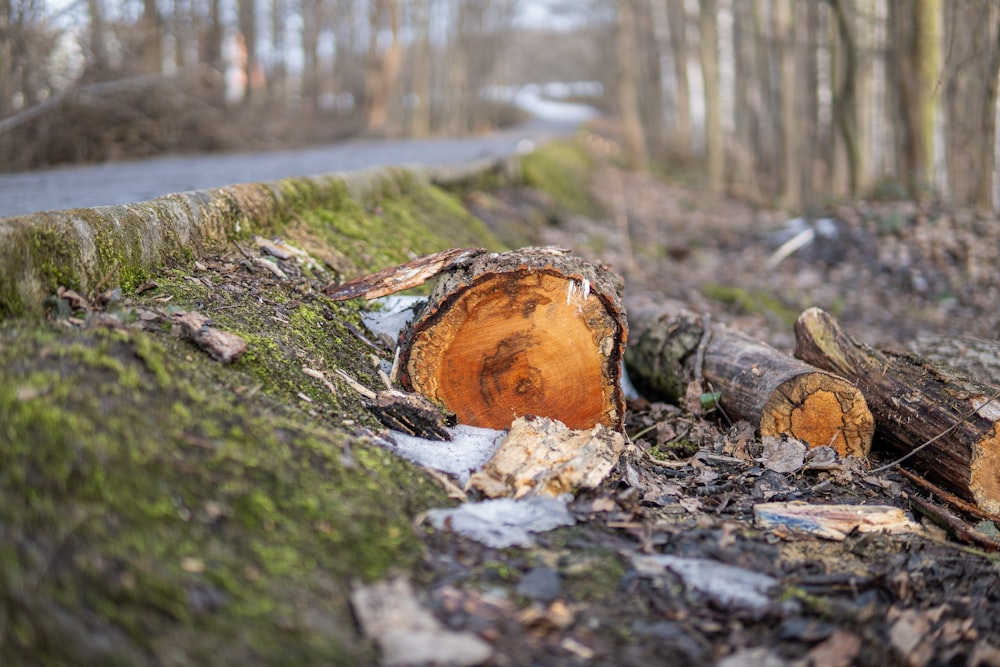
x,y
948,423
530,332
775,392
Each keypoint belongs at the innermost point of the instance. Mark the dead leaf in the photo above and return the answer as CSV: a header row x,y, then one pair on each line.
x,y
838,650
783,455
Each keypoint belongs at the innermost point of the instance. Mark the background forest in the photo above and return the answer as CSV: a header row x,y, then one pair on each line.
x,y
786,102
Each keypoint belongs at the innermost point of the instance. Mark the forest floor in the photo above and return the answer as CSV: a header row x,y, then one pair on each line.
x,y
891,271
190,511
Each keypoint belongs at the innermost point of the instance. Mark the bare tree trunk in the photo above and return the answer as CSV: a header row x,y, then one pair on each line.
x,y
845,108
210,53
7,66
808,27
929,36
677,22
383,67
791,126
747,99
247,20
983,195
709,47
97,41
971,29
420,121
650,76
628,98
277,76
905,57
151,33
311,24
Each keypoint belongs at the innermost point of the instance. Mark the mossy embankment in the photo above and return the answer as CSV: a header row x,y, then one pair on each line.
x,y
159,507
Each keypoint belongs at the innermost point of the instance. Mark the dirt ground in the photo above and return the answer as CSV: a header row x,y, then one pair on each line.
x,y
890,271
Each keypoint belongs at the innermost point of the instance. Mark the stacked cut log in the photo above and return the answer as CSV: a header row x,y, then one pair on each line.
x,y
504,335
946,423
778,394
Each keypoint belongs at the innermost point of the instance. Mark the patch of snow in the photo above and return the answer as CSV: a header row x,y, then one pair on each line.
x,y
470,448
395,313
505,522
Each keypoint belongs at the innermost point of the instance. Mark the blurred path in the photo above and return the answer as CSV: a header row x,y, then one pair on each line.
x,y
141,180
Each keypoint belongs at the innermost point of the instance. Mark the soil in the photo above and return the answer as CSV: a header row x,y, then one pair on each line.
x,y
277,502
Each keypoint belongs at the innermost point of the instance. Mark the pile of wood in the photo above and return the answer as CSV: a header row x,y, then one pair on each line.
x,y
539,332
944,424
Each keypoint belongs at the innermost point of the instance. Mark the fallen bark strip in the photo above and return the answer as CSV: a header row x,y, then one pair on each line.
x,y
529,332
949,422
776,393
975,357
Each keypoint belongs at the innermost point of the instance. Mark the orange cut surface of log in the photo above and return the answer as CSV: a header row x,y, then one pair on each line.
x,y
520,343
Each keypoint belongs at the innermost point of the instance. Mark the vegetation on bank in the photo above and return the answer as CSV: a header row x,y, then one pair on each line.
x,y
160,507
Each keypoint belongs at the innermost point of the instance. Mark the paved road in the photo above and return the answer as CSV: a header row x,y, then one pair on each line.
x,y
125,182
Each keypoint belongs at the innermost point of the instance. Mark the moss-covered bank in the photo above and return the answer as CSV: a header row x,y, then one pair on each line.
x,y
158,507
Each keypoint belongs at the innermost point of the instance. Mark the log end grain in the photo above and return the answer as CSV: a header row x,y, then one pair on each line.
x,y
820,409
535,338
984,473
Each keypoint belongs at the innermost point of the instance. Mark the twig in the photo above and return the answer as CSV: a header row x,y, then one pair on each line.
x,y
958,528
937,437
950,498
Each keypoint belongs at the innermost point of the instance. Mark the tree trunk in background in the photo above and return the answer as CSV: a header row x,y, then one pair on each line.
x,y
970,33
311,22
650,76
904,67
383,65
97,38
677,22
628,98
806,47
7,67
983,195
210,53
791,126
420,121
151,34
929,34
709,48
246,16
747,99
457,75
844,64
277,93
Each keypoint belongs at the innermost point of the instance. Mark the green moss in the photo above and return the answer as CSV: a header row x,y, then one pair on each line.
x,y
138,492
563,169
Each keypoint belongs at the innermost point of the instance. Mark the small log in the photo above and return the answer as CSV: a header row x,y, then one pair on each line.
x,y
776,393
949,422
530,332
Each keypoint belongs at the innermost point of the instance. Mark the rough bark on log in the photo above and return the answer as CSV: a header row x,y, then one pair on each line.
x,y
776,393
977,358
948,421
534,331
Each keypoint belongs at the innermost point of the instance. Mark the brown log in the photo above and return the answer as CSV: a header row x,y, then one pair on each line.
x,y
948,422
530,332
775,392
